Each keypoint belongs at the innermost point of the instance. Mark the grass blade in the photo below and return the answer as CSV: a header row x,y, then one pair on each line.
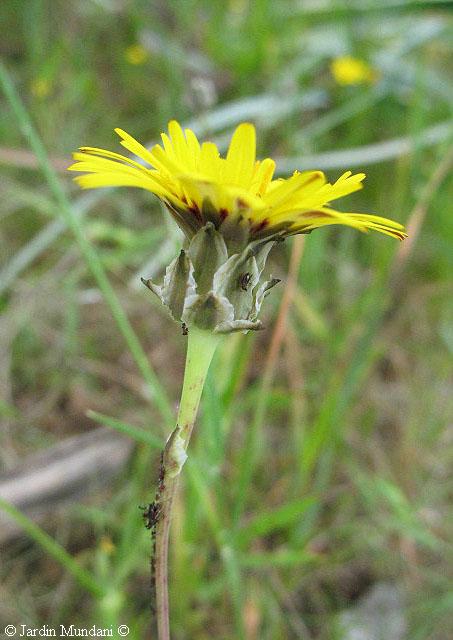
x,y
270,521
83,577
140,435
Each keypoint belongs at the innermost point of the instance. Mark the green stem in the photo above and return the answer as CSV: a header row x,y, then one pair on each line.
x,y
200,350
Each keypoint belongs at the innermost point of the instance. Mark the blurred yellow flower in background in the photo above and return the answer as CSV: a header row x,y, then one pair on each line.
x,y
238,6
348,70
136,54
106,545
40,87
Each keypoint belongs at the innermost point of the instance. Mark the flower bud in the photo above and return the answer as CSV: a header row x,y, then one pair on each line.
x,y
205,288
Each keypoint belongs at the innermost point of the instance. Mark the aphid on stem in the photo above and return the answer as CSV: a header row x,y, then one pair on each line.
x,y
151,514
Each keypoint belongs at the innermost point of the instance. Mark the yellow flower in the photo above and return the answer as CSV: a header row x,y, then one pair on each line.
x,y
136,54
347,70
238,6
40,87
237,193
106,545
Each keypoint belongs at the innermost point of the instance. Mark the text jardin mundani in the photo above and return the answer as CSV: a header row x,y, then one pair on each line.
x,y
24,631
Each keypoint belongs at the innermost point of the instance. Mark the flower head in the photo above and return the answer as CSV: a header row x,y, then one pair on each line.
x,y
136,54
237,193
40,87
231,210
348,70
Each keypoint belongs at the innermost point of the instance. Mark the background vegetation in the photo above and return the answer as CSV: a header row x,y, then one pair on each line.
x,y
346,396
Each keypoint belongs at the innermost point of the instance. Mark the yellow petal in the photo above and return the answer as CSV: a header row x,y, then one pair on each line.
x,y
262,177
108,154
179,144
89,162
210,161
240,160
286,188
326,216
193,148
133,146
117,179
346,184
162,160
168,146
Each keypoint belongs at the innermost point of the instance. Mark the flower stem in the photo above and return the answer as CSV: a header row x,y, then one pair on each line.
x,y
200,350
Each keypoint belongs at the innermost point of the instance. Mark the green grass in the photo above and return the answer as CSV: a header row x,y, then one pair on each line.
x,y
303,487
